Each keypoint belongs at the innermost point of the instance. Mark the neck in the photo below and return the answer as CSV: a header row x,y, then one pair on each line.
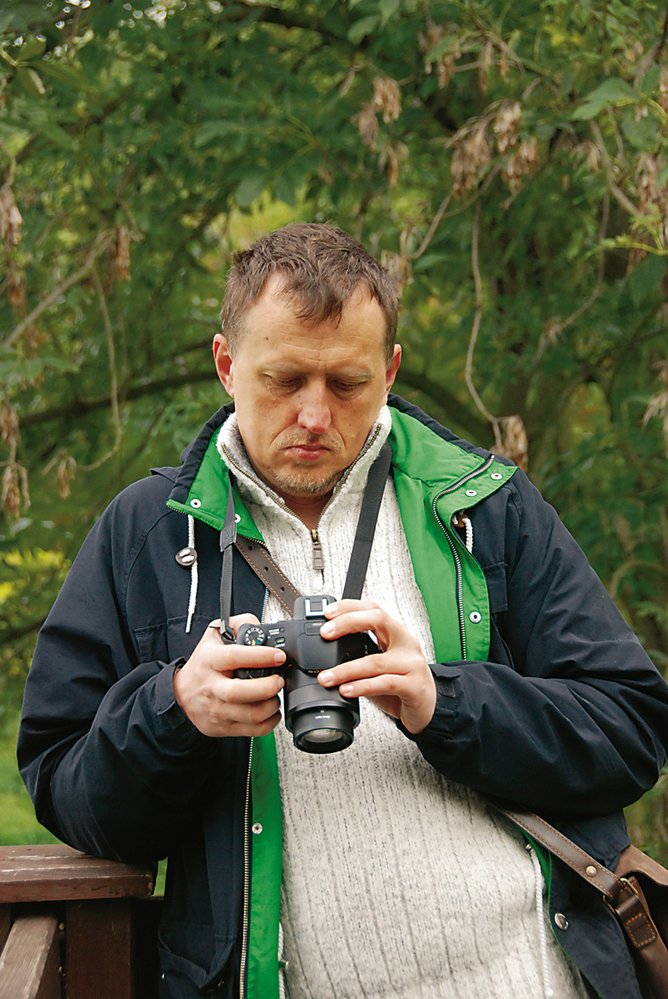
x,y
307,508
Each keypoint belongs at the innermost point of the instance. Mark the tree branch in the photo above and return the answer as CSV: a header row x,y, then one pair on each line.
x,y
100,244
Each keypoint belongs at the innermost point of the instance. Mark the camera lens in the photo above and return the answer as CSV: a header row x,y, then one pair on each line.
x,y
324,735
310,735
321,721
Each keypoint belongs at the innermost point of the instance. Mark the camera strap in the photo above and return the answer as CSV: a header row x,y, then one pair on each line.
x,y
263,565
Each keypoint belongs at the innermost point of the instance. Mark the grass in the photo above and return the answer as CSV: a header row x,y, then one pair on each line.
x,y
18,825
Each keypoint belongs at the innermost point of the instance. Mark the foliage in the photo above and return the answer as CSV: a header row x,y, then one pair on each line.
x,y
506,160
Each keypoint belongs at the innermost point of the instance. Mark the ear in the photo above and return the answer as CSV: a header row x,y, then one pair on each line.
x,y
224,364
392,368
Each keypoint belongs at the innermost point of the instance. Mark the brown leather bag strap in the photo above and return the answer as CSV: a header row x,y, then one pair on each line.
x,y
622,895
568,851
269,572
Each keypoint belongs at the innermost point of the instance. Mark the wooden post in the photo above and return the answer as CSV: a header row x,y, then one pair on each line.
x,y
44,888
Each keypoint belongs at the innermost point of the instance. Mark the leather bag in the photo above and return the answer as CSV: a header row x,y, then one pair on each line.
x,y
637,894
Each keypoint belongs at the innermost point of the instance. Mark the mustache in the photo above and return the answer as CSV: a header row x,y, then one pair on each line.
x,y
291,439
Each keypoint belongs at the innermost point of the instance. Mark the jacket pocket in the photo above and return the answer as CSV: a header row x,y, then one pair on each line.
x,y
194,961
168,640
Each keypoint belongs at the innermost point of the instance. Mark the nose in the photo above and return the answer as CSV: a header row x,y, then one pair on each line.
x,y
314,412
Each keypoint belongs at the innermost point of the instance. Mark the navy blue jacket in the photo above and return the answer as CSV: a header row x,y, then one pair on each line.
x,y
568,717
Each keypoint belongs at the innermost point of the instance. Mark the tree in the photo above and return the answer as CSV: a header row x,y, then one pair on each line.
x,y
506,161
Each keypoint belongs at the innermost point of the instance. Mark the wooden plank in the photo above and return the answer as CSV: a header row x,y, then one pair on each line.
x,y
29,963
56,872
5,923
99,950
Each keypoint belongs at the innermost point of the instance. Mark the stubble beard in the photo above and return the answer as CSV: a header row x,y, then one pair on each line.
x,y
306,483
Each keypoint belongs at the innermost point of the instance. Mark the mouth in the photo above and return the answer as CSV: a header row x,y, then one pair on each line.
x,y
308,452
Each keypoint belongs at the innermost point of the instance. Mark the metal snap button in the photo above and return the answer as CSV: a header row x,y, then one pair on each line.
x,y
256,828
475,617
186,556
471,492
496,476
590,871
195,504
561,920
237,518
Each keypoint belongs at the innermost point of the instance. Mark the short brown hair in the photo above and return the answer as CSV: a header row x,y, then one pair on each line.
x,y
320,266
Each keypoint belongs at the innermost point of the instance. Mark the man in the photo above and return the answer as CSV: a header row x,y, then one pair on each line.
x,y
502,668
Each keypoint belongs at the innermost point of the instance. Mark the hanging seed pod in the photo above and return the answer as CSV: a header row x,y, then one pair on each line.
x,y
387,98
11,219
506,124
120,253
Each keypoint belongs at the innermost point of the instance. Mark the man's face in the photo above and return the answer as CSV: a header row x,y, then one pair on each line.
x,y
306,396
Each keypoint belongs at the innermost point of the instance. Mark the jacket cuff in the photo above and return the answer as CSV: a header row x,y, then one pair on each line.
x,y
166,707
445,721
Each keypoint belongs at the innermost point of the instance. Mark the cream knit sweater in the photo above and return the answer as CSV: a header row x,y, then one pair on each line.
x,y
397,883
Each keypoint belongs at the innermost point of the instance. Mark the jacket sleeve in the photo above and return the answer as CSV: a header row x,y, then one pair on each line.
x,y
571,715
113,765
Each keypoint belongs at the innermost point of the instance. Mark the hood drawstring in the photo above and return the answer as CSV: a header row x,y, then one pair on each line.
x,y
463,523
468,527
194,573
187,557
542,926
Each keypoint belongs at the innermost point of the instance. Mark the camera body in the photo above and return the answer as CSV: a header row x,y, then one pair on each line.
x,y
320,720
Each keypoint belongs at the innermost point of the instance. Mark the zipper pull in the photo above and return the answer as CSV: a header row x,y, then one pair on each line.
x,y
318,560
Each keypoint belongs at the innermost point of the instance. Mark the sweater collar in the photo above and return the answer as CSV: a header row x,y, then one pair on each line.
x,y
254,490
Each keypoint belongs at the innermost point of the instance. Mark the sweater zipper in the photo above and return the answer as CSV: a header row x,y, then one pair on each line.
x,y
318,559
246,890
459,576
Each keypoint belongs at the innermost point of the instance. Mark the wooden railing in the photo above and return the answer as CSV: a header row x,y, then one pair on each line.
x,y
75,927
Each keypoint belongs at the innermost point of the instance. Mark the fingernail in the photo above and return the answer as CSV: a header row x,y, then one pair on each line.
x,y
279,657
327,679
346,689
327,629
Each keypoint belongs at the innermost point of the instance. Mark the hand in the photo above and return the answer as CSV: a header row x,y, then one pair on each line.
x,y
397,678
218,703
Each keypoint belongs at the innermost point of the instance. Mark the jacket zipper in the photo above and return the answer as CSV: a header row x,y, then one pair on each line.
x,y
246,895
455,554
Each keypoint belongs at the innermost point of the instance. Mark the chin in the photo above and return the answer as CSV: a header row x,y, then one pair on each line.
x,y
299,484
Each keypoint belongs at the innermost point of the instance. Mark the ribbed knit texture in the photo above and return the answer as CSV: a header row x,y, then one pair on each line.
x,y
397,883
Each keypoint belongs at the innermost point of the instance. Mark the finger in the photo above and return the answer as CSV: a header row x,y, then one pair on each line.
x,y
243,728
230,658
356,669
237,691
345,606
358,620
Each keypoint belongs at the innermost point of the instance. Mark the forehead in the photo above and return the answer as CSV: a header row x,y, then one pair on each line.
x,y
271,326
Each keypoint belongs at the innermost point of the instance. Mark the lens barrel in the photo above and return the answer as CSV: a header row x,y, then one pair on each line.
x,y
321,721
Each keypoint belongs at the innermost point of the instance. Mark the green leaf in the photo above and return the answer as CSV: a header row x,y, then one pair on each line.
x,y
31,48
284,190
613,91
388,8
64,72
30,81
250,189
360,29
209,131
15,370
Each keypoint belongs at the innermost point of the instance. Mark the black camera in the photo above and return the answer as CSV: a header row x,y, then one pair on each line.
x,y
321,721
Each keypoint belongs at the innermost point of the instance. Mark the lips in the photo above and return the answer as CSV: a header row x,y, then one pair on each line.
x,y
308,452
